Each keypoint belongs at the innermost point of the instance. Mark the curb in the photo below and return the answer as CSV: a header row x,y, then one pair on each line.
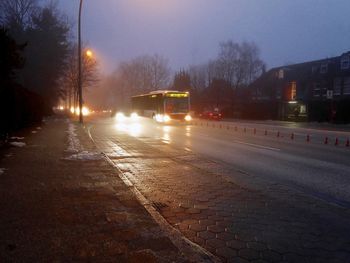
x,y
190,249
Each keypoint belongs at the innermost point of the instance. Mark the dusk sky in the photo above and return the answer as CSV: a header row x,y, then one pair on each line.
x,y
189,31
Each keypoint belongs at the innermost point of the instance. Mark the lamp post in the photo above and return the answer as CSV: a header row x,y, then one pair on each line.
x,y
80,90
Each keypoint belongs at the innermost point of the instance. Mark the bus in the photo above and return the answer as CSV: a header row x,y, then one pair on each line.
x,y
163,105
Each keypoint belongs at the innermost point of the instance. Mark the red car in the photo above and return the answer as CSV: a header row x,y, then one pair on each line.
x,y
211,115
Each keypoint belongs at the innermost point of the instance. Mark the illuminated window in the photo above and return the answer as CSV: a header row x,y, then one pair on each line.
x,y
293,91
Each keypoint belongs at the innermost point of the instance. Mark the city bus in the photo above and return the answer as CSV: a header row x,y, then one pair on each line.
x,y
163,105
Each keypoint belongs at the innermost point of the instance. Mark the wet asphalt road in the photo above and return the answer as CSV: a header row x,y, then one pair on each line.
x,y
240,194
316,168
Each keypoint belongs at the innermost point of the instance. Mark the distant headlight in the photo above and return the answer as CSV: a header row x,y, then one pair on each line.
x,y
120,116
166,118
188,118
134,116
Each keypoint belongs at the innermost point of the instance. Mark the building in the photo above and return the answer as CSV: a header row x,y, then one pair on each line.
x,y
313,91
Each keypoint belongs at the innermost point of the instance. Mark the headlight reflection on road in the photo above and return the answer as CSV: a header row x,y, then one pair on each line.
x,y
133,129
166,135
120,117
188,131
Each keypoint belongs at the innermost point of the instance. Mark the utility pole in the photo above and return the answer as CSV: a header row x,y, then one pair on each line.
x,y
80,89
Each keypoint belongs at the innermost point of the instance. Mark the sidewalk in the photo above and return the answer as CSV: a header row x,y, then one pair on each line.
x,y
62,202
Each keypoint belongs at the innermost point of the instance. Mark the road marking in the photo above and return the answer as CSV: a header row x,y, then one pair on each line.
x,y
259,146
188,149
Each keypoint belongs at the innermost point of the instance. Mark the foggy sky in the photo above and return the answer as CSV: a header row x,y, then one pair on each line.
x,y
189,31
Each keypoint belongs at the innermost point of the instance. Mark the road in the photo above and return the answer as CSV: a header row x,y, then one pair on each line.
x,y
291,176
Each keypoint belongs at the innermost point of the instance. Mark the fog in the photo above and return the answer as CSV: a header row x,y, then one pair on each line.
x,y
189,31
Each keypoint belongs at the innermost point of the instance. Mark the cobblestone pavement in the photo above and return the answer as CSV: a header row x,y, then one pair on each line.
x,y
254,222
54,210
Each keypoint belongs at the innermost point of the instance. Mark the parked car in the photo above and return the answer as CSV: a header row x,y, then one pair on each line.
x,y
211,115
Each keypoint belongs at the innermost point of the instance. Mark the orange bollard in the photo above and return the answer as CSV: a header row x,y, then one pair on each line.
x,y
308,138
244,130
265,132
292,136
347,143
336,141
278,134
254,131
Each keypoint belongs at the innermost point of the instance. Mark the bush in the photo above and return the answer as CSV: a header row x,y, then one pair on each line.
x,y
19,108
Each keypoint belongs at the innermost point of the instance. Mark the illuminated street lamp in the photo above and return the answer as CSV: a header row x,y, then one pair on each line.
x,y
89,53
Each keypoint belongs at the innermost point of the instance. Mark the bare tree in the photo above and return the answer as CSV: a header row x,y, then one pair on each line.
x,y
89,75
198,75
160,72
17,13
238,64
139,75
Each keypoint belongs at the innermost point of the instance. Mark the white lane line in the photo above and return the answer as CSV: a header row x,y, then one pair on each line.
x,y
188,149
258,146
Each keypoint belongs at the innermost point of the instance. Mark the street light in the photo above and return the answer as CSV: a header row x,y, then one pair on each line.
x,y
80,90
89,53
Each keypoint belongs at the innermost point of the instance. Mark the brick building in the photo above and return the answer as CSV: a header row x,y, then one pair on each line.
x,y
314,91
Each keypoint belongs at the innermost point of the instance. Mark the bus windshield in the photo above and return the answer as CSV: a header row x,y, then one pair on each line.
x,y
176,105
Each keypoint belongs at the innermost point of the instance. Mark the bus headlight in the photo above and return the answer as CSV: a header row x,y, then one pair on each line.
x,y
188,118
158,118
120,116
134,116
166,118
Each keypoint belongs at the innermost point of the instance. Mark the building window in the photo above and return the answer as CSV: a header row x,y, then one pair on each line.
x,y
346,87
324,92
281,74
337,87
278,94
317,90
344,63
293,94
324,68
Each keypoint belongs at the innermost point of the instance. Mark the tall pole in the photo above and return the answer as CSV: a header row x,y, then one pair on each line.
x,y
80,89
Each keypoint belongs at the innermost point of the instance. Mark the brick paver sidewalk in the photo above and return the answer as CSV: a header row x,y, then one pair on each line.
x,y
256,222
59,210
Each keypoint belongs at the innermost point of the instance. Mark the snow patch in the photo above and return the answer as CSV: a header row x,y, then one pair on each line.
x,y
85,156
2,170
16,138
34,131
38,128
74,145
18,144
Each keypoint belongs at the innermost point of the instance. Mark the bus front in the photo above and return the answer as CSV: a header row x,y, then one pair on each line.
x,y
177,106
